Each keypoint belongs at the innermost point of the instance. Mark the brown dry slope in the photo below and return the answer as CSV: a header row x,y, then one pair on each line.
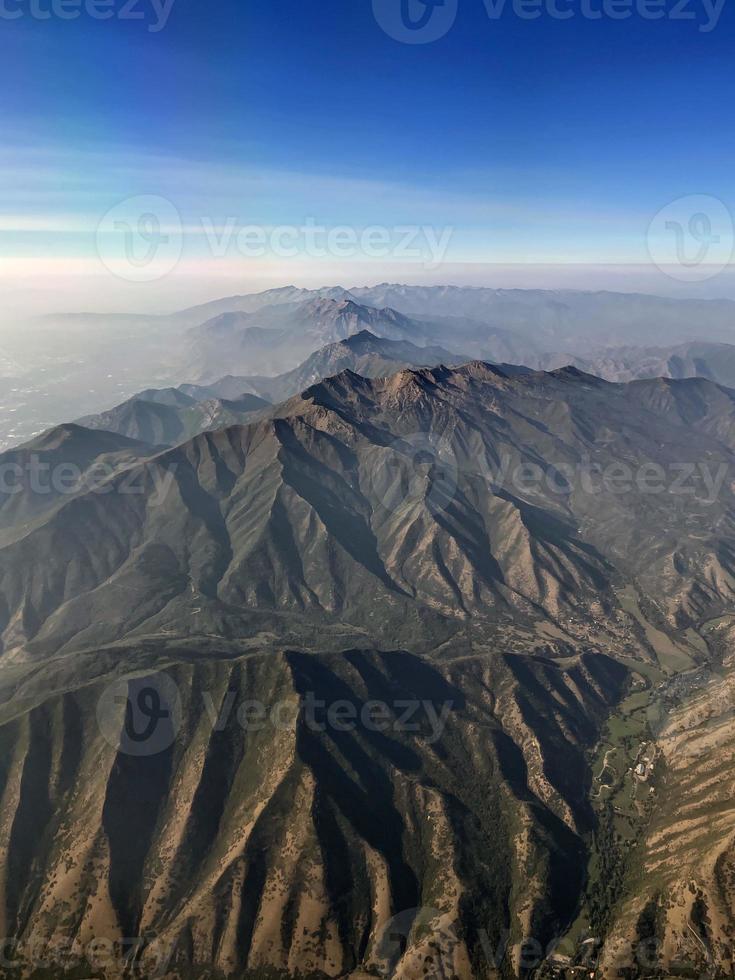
x,y
294,843
679,911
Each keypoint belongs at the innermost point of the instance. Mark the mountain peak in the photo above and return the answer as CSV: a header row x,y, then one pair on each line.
x,y
328,303
482,369
572,373
342,385
362,339
57,436
74,438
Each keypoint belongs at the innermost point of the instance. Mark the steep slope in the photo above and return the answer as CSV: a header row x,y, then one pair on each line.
x,y
37,477
166,417
437,836
612,462
432,504
670,826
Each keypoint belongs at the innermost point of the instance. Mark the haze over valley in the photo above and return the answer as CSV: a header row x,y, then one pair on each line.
x,y
85,364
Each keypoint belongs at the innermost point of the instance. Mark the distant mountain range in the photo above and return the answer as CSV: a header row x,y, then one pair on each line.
x,y
692,360
266,334
516,326
279,336
592,318
273,331
565,319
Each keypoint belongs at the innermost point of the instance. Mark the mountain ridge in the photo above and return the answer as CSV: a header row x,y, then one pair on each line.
x,y
348,420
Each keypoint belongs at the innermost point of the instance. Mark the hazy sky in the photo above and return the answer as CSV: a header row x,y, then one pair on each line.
x,y
506,141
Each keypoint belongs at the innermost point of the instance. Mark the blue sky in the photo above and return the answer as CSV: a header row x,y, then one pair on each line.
x,y
538,141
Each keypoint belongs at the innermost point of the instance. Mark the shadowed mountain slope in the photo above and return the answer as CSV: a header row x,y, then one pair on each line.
x,y
294,844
